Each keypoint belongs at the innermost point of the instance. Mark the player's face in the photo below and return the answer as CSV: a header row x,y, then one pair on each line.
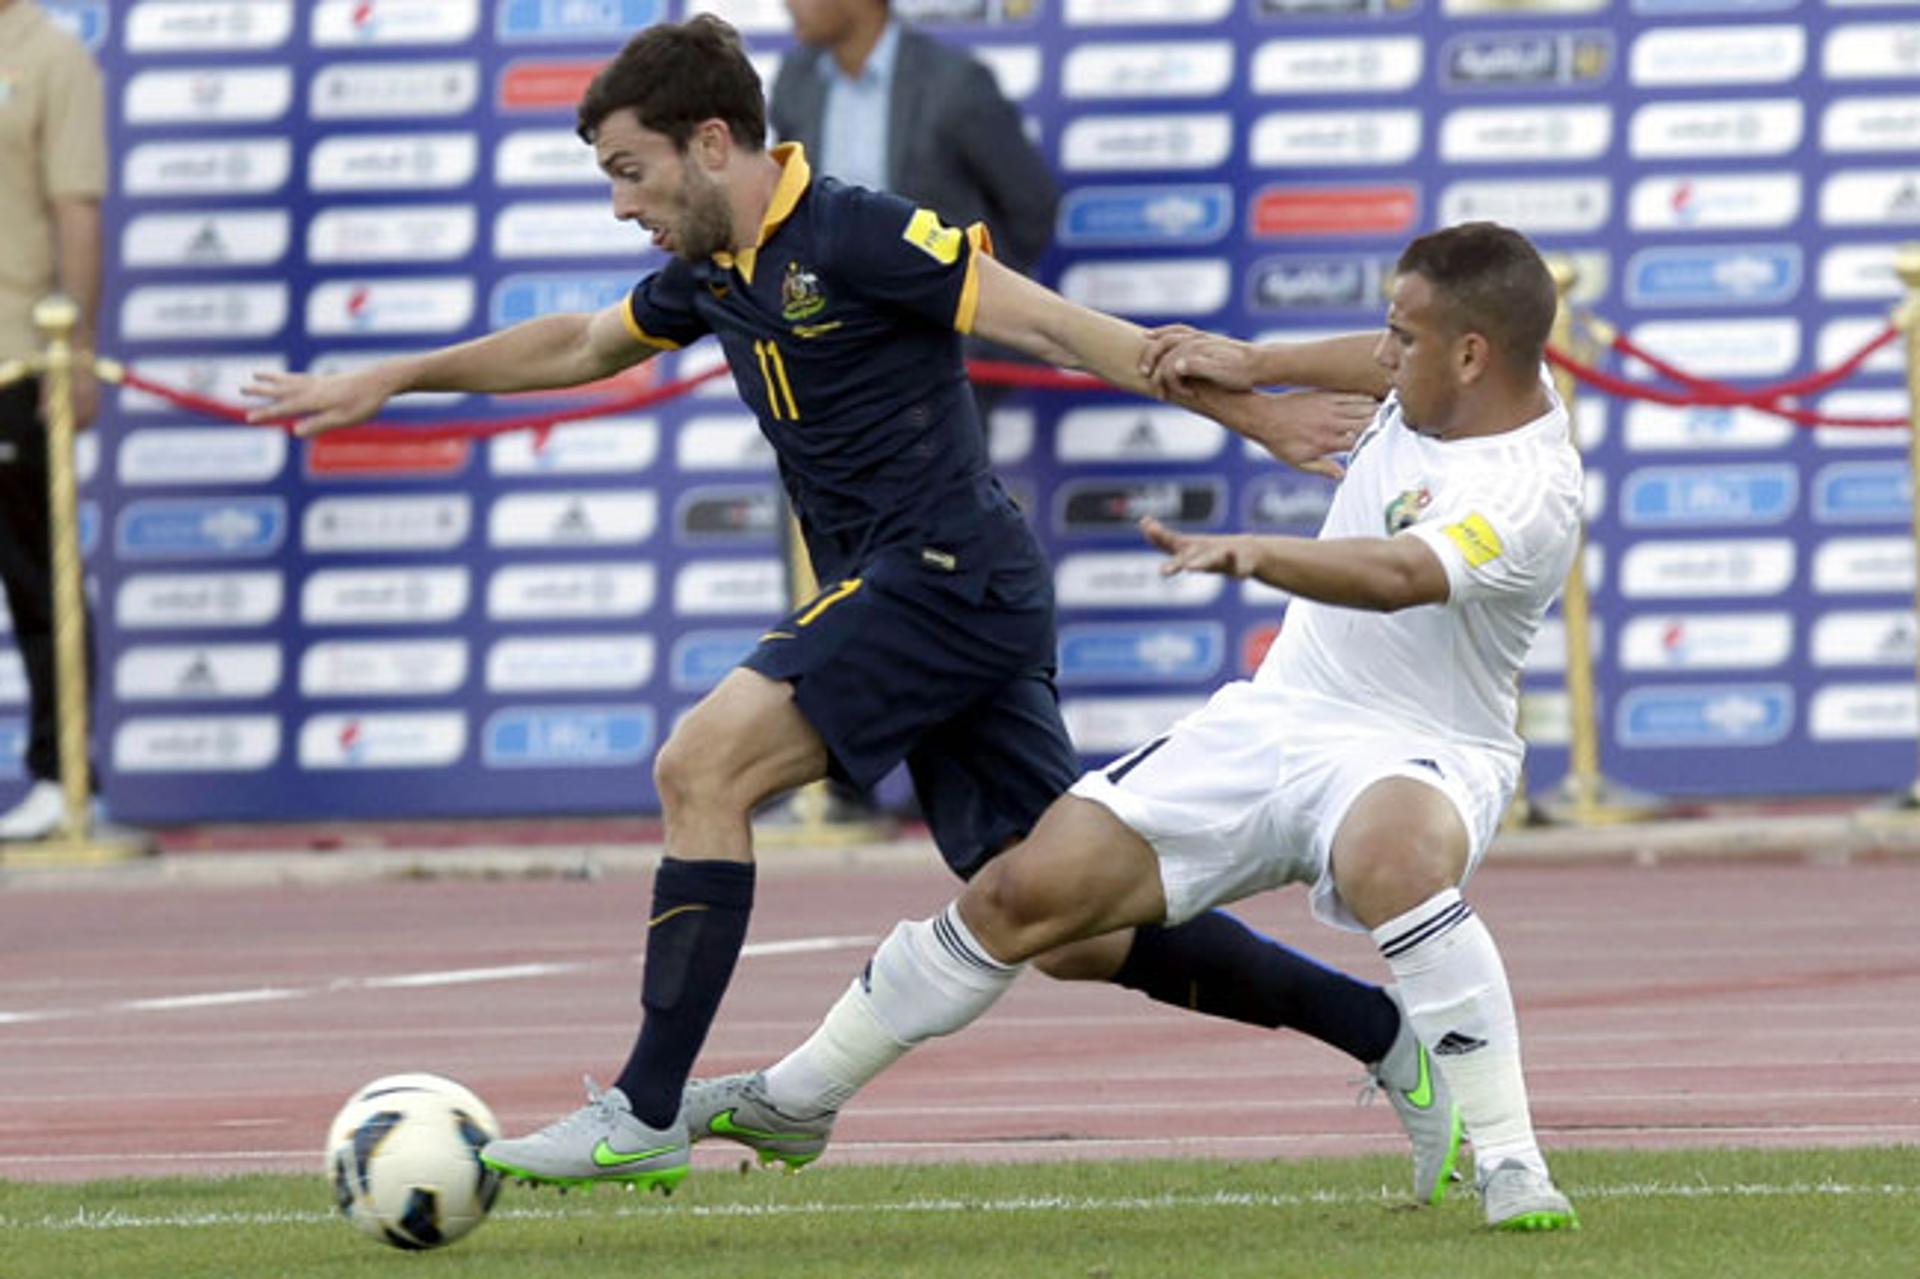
x,y
1418,353
663,189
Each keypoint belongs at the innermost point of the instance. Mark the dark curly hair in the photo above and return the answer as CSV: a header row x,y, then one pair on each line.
x,y
674,76
1493,283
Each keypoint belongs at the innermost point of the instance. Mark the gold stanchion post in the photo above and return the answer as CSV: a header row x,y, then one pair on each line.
x,y
1585,797
1906,264
76,842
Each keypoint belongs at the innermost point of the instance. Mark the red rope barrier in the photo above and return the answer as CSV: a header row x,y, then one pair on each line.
x,y
1700,392
476,429
1723,393
986,372
1042,377
183,399
1615,385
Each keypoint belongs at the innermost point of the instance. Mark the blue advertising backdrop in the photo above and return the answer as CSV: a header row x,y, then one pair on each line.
x,y
359,628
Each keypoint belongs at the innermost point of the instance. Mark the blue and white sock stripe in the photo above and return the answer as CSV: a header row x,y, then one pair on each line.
x,y
957,939
1449,918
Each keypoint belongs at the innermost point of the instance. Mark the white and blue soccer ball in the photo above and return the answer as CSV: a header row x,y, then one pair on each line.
x,y
404,1158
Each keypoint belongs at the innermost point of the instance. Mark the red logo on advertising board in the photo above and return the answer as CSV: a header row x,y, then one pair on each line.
x,y
1254,645
344,455
1372,210
546,86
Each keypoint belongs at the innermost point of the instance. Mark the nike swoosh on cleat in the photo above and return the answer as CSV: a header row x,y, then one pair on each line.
x,y
1420,1097
722,1125
605,1156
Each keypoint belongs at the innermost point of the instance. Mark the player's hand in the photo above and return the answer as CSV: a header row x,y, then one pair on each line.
x,y
1231,555
1305,428
1178,356
317,402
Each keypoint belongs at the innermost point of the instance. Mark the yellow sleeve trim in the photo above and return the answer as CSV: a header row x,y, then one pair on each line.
x,y
640,335
982,242
827,600
1476,540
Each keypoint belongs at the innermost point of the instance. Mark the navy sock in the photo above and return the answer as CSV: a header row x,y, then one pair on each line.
x,y
1215,964
699,920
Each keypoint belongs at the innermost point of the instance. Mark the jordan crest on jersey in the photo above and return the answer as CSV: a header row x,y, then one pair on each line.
x,y
1405,511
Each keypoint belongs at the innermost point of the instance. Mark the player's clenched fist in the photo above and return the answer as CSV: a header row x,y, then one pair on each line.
x,y
1177,355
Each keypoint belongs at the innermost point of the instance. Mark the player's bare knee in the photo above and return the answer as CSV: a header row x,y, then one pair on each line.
x,y
1379,882
1011,913
672,771
692,769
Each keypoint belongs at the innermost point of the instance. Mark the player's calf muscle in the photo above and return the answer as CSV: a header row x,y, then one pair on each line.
x,y
1021,906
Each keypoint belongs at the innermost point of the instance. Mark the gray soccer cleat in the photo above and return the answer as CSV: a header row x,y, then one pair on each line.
x,y
600,1142
736,1107
1420,1097
1517,1197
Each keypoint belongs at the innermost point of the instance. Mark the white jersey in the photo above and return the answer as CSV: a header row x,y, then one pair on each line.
x,y
1503,514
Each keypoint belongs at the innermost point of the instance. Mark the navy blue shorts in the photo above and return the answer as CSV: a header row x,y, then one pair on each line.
x,y
949,670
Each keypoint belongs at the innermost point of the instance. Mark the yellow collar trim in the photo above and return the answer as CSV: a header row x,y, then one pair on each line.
x,y
795,176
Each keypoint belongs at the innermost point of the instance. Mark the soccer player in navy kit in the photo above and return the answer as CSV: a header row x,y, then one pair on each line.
x,y
840,311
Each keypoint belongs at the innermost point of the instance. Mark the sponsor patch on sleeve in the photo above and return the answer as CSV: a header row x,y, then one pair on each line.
x,y
925,233
1476,540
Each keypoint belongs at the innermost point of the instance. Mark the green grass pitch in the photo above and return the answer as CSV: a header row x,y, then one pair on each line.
x,y
1828,1214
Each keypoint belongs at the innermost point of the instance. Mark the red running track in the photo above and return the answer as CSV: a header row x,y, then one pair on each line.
x,y
215,1029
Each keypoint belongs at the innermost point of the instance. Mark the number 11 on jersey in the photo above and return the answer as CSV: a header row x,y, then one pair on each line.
x,y
773,370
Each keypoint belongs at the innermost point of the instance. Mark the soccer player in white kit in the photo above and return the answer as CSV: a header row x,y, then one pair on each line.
x,y
1371,755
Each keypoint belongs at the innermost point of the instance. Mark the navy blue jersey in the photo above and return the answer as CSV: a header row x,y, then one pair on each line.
x,y
842,327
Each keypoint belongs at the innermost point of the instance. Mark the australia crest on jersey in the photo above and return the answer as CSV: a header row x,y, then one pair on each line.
x,y
1404,512
800,295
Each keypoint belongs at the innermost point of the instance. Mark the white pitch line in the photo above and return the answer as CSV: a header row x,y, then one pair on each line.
x,y
466,976
115,1219
805,946
1062,1150
212,999
50,1014
402,981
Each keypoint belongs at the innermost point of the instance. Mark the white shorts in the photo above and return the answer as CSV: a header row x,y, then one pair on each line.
x,y
1247,793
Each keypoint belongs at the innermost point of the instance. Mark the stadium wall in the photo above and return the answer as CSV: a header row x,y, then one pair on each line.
x,y
359,629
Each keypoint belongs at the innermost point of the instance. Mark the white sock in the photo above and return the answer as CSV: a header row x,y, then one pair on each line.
x,y
1456,994
849,1047
929,977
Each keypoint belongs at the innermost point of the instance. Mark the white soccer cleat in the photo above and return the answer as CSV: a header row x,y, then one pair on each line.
x,y
1517,1197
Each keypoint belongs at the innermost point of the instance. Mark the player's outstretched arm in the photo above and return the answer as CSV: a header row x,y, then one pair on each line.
x,y
1380,574
539,354
1017,312
1178,358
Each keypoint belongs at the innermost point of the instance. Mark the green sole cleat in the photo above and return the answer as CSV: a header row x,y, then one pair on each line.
x,y
1522,1199
736,1108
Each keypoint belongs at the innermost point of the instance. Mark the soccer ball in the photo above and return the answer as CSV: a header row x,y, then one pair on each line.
x,y
404,1158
